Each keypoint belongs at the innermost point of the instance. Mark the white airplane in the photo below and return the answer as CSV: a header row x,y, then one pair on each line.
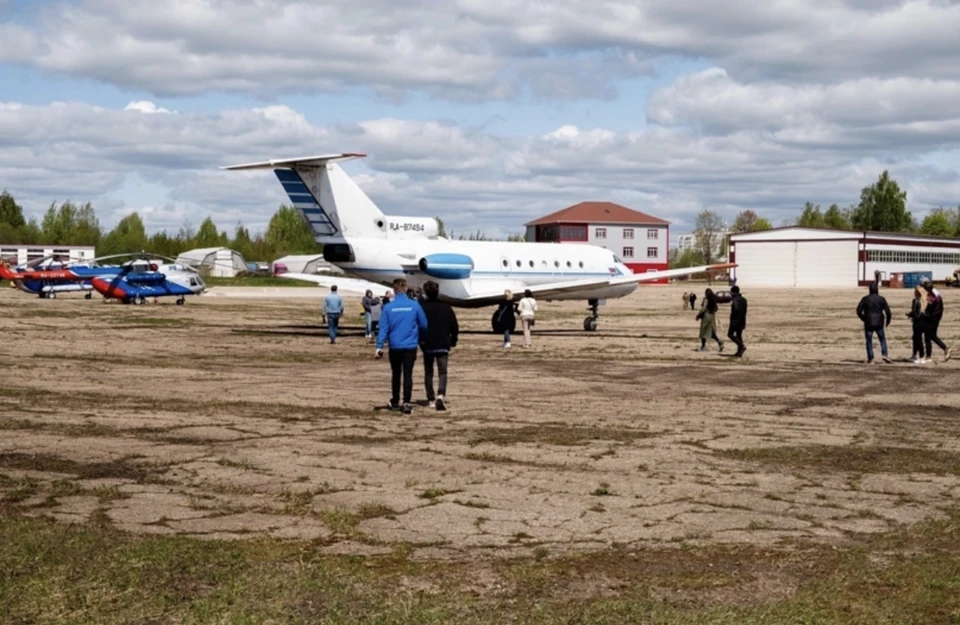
x,y
361,240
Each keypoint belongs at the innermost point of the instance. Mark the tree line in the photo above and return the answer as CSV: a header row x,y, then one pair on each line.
x,y
882,207
77,224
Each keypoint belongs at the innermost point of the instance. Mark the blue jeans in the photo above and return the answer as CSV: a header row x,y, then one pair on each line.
x,y
368,317
506,336
868,334
333,324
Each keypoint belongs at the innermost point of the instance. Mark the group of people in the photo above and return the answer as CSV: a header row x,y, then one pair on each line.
x,y
408,323
926,311
708,319
507,312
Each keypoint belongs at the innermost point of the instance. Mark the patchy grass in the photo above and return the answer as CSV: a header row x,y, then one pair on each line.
x,y
121,468
86,574
859,459
555,434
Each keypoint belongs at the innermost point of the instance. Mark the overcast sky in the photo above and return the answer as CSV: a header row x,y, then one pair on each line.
x,y
487,113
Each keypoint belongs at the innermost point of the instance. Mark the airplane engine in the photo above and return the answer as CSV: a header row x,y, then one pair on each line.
x,y
447,266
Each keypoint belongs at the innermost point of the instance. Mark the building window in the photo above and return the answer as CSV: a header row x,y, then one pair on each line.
x,y
573,233
651,252
653,233
600,233
903,256
628,252
628,233
548,234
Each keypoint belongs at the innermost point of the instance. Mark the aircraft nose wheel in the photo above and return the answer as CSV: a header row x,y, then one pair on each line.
x,y
180,301
88,296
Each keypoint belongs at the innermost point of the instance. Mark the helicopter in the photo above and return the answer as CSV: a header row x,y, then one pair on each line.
x,y
47,276
140,279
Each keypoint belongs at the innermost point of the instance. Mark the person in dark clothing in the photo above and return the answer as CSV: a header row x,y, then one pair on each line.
x,y
874,311
738,320
505,317
933,314
693,301
436,343
919,320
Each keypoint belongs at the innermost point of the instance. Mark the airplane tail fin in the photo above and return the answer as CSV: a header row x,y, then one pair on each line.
x,y
330,201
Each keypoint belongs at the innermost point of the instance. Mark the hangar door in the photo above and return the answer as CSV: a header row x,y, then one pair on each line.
x,y
797,263
826,263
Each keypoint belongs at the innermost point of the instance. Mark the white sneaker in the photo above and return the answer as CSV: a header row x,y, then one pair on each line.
x,y
431,404
506,346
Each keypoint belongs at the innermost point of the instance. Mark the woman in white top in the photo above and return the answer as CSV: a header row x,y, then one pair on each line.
x,y
528,310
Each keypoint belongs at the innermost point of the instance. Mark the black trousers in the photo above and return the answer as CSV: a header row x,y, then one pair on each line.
x,y
401,362
930,336
735,334
441,360
918,332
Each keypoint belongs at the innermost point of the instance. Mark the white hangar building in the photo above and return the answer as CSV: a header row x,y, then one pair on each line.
x,y
218,262
816,257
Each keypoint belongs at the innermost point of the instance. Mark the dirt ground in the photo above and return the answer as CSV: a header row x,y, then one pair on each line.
x,y
233,416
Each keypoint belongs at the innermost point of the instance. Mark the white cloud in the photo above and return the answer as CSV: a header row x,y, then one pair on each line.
x,y
473,49
475,179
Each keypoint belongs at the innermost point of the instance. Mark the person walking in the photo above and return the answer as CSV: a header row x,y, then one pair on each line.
x,y
933,314
333,308
738,320
528,312
368,302
918,319
874,311
708,320
685,298
402,322
693,300
439,339
505,317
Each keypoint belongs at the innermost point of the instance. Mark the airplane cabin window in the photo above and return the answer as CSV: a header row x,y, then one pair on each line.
x,y
569,264
556,263
505,262
518,263
531,263
581,264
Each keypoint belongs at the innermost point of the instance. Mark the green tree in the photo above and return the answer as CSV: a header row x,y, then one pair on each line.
x,y
883,207
243,243
128,237
11,213
207,235
749,221
836,218
289,233
811,217
938,223
165,245
707,235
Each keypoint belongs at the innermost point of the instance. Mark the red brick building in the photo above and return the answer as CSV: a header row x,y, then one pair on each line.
x,y
641,240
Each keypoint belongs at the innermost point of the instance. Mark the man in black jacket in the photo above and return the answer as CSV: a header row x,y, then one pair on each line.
x,y
439,339
874,311
738,320
933,314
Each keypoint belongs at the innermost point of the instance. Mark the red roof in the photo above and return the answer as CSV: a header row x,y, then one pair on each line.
x,y
599,213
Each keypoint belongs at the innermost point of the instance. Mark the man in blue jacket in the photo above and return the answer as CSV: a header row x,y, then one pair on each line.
x,y
333,308
401,324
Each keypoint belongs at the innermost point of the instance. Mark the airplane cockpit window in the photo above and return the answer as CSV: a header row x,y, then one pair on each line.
x,y
193,282
616,259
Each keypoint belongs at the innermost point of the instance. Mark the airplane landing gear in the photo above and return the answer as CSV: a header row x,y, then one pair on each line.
x,y
88,296
181,301
51,295
590,323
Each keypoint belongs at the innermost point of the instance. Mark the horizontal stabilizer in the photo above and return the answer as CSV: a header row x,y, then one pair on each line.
x,y
304,161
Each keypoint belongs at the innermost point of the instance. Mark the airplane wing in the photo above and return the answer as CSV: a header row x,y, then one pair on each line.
x,y
351,285
668,273
308,161
551,289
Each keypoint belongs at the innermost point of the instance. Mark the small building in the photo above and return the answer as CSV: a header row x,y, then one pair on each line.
x,y
22,254
640,240
686,242
219,262
308,263
820,257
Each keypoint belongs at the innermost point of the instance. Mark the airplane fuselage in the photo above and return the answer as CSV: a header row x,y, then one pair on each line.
x,y
466,268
